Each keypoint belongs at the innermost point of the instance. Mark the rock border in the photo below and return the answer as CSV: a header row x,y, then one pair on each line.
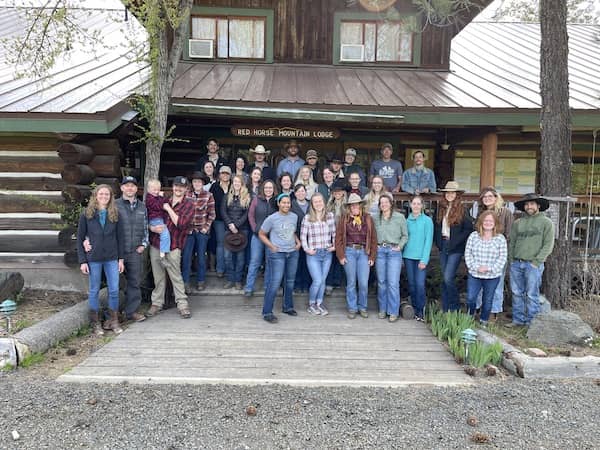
x,y
524,366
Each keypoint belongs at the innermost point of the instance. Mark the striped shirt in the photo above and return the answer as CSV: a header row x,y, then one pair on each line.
x,y
491,253
204,211
317,235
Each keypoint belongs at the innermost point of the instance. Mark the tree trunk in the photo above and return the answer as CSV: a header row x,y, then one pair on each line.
x,y
164,68
555,179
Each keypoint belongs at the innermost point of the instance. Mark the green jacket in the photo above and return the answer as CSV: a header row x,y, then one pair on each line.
x,y
531,239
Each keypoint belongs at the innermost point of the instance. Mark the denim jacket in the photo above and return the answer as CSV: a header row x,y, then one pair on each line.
x,y
418,179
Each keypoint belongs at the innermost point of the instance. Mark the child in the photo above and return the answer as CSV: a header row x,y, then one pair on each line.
x,y
157,204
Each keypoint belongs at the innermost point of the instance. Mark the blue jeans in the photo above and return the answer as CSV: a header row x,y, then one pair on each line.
x,y
474,285
449,264
195,242
498,302
416,285
281,266
234,264
318,266
388,267
357,270
257,258
302,275
165,236
219,227
111,270
525,283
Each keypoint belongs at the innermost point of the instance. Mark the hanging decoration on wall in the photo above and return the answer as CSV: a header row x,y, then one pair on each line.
x,y
376,5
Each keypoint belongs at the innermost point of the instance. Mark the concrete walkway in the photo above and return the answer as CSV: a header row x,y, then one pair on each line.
x,y
226,341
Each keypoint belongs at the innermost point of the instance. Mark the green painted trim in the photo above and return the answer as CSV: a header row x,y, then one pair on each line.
x,y
30,125
312,114
339,16
251,12
435,118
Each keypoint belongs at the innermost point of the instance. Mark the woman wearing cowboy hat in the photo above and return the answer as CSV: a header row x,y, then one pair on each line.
x,y
452,229
356,249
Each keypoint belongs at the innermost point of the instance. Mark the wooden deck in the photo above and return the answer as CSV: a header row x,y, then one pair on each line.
x,y
226,341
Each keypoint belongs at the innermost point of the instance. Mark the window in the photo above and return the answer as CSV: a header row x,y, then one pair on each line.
x,y
376,41
232,37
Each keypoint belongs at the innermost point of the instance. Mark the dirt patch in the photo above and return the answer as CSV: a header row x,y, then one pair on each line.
x,y
35,305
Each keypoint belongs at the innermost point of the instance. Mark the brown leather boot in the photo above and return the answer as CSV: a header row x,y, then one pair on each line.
x,y
114,322
95,324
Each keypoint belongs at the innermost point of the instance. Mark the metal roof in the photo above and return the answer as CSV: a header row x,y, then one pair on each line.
x,y
494,66
86,80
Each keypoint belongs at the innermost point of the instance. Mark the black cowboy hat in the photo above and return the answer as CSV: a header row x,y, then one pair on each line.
x,y
532,197
340,185
200,176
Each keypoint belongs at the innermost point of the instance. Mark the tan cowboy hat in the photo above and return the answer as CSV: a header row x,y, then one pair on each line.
x,y
354,198
260,149
452,186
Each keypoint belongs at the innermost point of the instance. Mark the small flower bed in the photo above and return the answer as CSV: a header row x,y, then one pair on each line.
x,y
448,327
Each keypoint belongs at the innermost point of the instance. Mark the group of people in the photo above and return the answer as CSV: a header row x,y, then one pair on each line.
x,y
291,220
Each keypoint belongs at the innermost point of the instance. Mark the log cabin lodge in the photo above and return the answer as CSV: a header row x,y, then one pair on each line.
x,y
331,73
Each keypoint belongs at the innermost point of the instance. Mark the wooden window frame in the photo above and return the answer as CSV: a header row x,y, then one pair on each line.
x,y
229,18
377,24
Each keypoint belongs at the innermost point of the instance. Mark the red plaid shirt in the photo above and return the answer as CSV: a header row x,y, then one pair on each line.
x,y
185,211
204,211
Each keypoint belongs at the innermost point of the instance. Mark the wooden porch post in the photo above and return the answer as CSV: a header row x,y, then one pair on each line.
x,y
489,148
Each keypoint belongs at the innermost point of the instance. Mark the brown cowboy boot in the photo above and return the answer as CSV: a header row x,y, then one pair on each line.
x,y
114,322
95,324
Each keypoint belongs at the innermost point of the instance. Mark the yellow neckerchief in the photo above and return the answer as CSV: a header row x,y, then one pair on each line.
x,y
357,221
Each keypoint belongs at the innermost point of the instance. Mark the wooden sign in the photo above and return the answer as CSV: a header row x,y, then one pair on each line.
x,y
286,132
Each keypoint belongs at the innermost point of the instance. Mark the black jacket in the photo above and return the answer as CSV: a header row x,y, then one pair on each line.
x,y
296,209
458,234
234,213
107,242
135,224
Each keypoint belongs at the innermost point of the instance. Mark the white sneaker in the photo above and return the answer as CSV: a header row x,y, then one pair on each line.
x,y
313,309
323,310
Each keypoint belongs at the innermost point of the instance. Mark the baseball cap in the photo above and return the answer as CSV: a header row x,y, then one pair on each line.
x,y
225,169
129,179
183,181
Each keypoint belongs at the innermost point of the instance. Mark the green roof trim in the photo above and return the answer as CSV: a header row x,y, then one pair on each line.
x,y
62,125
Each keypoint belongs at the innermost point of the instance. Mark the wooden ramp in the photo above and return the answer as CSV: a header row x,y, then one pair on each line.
x,y
226,341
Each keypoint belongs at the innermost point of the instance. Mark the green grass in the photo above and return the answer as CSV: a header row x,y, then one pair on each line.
x,y
20,325
31,359
448,327
7,368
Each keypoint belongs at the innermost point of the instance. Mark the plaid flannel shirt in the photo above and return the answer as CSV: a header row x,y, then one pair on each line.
x,y
204,211
491,253
316,235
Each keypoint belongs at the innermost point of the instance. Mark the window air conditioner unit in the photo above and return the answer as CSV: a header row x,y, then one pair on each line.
x,y
201,48
352,53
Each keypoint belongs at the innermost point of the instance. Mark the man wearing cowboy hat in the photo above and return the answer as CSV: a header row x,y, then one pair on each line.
x,y
292,163
335,165
260,162
531,242
197,239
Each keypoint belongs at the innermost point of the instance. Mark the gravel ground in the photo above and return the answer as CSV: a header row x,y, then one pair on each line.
x,y
511,414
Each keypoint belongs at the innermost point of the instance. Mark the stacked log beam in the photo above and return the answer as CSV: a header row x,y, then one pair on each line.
x,y
93,162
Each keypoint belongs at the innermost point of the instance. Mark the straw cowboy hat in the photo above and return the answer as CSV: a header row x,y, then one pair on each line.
x,y
260,149
532,197
452,186
354,198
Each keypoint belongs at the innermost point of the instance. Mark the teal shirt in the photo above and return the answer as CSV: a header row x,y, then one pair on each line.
x,y
393,230
420,238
